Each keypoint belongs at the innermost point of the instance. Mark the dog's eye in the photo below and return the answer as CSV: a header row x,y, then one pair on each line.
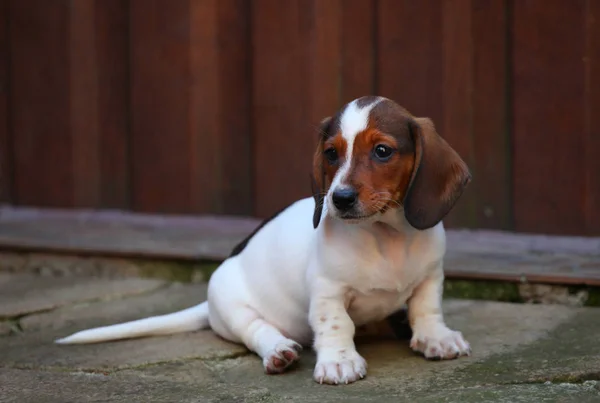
x,y
331,155
383,152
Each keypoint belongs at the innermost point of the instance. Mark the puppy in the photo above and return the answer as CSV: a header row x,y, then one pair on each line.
x,y
383,182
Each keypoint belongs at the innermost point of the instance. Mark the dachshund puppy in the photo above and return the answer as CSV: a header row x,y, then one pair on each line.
x,y
368,243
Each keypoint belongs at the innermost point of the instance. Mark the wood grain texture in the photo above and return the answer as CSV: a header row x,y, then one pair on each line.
x,y
592,118
6,160
295,80
549,171
359,49
68,102
190,106
409,55
457,97
112,55
43,152
234,117
82,108
491,154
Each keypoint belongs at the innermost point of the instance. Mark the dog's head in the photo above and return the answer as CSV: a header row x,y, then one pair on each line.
x,y
373,155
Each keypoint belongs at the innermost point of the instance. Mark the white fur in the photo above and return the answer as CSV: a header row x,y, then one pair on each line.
x,y
294,284
353,121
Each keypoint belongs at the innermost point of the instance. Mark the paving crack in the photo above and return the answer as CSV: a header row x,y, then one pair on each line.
x,y
87,302
117,369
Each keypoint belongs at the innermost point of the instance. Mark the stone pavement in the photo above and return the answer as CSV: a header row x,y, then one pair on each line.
x,y
521,353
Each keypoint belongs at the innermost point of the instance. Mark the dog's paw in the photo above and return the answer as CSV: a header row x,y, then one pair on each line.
x,y
282,356
440,343
339,366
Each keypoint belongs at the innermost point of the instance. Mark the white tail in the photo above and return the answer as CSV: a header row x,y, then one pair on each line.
x,y
187,320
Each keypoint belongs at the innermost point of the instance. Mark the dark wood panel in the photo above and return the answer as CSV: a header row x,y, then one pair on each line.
x,y
548,116
188,118
409,55
457,97
81,90
234,133
295,77
39,99
359,49
160,111
491,153
112,54
6,175
592,148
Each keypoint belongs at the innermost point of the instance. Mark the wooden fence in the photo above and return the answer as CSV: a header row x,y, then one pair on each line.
x,y
210,106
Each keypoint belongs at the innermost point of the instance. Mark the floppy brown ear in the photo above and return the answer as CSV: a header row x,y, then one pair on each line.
x,y
438,178
318,174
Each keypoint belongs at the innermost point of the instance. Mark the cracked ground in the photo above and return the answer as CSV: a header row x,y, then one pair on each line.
x,y
521,353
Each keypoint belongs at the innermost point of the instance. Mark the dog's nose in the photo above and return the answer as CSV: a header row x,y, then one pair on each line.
x,y
344,198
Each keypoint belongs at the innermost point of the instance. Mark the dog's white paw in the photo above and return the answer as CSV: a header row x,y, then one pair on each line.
x,y
439,343
282,356
340,367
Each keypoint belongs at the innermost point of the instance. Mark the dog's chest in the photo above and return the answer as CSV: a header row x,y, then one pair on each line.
x,y
381,270
375,305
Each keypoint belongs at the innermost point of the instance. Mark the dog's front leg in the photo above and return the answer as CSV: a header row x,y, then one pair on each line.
x,y
337,358
431,336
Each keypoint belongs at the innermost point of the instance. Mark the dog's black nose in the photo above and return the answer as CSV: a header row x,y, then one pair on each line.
x,y
344,198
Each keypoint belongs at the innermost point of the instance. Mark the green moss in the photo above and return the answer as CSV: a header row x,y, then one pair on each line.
x,y
486,290
173,270
593,296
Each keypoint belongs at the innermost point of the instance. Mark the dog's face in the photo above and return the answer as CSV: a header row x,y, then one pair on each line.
x,y
374,156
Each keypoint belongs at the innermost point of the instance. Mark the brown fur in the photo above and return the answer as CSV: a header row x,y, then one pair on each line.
x,y
425,175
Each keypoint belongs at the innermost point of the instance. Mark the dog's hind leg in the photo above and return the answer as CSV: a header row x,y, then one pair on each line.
x,y
245,325
277,351
233,317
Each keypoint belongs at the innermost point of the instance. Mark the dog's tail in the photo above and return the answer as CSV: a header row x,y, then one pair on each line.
x,y
187,320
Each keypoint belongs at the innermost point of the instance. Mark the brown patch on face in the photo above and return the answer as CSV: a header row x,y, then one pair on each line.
x,y
340,146
423,174
381,184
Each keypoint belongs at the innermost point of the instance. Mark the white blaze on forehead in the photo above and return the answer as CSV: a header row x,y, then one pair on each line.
x,y
354,120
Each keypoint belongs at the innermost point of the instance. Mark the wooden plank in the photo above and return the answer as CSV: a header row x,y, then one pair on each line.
x,y
189,121
235,96
40,68
66,100
113,91
295,79
359,52
122,234
490,255
457,97
491,153
5,132
409,55
592,148
82,109
548,116
160,78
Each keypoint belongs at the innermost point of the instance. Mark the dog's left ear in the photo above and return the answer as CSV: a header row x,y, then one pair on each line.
x,y
438,179
318,174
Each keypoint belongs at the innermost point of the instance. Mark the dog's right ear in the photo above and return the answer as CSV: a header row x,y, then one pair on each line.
x,y
318,174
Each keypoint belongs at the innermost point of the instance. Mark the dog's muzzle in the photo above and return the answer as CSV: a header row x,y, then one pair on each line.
x,y
344,199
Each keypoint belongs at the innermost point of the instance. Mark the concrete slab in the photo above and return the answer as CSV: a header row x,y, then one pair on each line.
x,y
168,299
26,386
517,348
24,294
35,347
37,350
